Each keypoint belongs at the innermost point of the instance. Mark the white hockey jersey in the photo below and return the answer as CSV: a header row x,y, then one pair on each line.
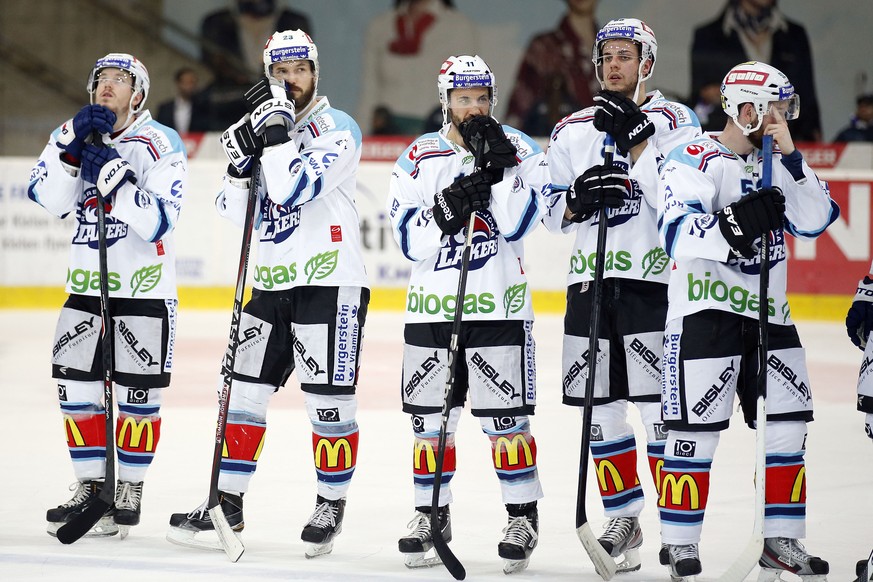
x,y
140,246
308,222
633,250
701,178
496,284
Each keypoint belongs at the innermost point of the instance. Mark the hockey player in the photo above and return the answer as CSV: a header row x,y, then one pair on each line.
x,y
645,126
712,211
436,184
140,168
311,293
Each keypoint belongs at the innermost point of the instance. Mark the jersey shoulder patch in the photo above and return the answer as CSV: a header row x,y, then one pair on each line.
x,y
523,143
675,114
159,139
429,145
583,116
334,120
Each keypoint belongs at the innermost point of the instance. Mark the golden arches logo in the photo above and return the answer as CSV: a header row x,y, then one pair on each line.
x,y
73,429
136,432
677,489
602,468
426,447
332,453
659,469
511,446
797,488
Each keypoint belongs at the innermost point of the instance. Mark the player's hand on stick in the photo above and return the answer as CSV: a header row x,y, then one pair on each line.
x,y
453,206
240,144
742,222
599,187
621,118
105,168
483,133
269,106
859,320
74,132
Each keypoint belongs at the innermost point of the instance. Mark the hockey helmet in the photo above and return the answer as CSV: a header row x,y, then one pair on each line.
x,y
290,45
761,85
124,62
462,71
631,29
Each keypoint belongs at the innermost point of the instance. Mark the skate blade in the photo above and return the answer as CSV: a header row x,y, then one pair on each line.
x,y
201,540
513,566
630,561
421,560
315,550
123,530
682,578
105,527
774,575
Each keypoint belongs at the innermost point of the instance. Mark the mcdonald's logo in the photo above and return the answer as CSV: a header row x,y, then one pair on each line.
x,y
332,451
73,432
512,447
677,488
136,432
602,468
424,448
659,470
797,490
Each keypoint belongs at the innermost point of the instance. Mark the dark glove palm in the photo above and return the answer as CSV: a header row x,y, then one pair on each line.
x,y
599,187
483,131
467,194
859,320
743,222
622,119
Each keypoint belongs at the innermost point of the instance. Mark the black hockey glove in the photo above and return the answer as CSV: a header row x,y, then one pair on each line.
x,y
483,131
272,113
599,187
467,194
859,320
622,119
240,144
743,222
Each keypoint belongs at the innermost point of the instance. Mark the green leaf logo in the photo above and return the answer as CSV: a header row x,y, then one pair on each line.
x,y
321,265
513,299
145,279
655,261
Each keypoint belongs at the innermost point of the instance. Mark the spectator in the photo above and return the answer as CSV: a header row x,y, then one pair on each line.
x,y
233,48
752,30
860,127
402,48
556,76
186,111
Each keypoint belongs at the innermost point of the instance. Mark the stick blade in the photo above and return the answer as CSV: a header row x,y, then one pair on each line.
x,y
82,523
604,565
450,561
745,561
231,544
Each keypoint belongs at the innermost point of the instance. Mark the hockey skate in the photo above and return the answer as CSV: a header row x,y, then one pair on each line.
x,y
684,562
864,570
195,529
325,523
521,536
128,504
418,545
623,538
788,555
84,493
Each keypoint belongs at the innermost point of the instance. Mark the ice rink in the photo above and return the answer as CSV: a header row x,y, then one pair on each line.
x,y
282,494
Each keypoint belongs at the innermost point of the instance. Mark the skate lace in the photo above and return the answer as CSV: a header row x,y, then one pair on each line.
x,y
617,529
792,552
200,513
519,531
684,552
128,496
82,493
324,516
419,526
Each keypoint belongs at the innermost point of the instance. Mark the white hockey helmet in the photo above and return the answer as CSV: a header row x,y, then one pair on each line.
x,y
290,45
124,62
761,85
462,71
631,29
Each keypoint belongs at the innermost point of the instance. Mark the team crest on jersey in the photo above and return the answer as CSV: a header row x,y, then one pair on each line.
x,y
278,222
631,208
86,234
753,266
483,245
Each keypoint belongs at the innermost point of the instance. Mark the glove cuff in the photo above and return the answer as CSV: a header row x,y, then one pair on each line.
x,y
276,135
113,175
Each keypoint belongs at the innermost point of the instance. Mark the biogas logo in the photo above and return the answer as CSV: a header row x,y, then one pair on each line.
x,y
432,304
81,280
618,261
738,298
269,277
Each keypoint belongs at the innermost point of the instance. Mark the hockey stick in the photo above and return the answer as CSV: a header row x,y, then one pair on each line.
x,y
449,560
750,556
94,510
603,562
231,544
864,569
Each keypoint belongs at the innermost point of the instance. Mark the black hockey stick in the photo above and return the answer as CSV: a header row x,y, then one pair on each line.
x,y
603,562
750,556
96,507
449,560
231,544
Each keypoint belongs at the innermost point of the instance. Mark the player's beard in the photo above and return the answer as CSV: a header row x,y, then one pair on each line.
x,y
304,100
756,138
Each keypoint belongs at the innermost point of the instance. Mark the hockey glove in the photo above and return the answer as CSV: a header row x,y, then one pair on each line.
x,y
743,222
453,206
483,131
599,187
621,118
76,130
106,169
272,113
859,320
240,144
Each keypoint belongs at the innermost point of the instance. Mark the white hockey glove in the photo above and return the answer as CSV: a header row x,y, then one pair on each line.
x,y
272,113
105,168
859,320
240,144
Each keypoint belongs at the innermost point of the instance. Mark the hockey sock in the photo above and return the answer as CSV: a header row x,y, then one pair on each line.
x,y
424,468
137,430
334,441
85,427
614,452
685,485
656,436
785,491
244,434
514,452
